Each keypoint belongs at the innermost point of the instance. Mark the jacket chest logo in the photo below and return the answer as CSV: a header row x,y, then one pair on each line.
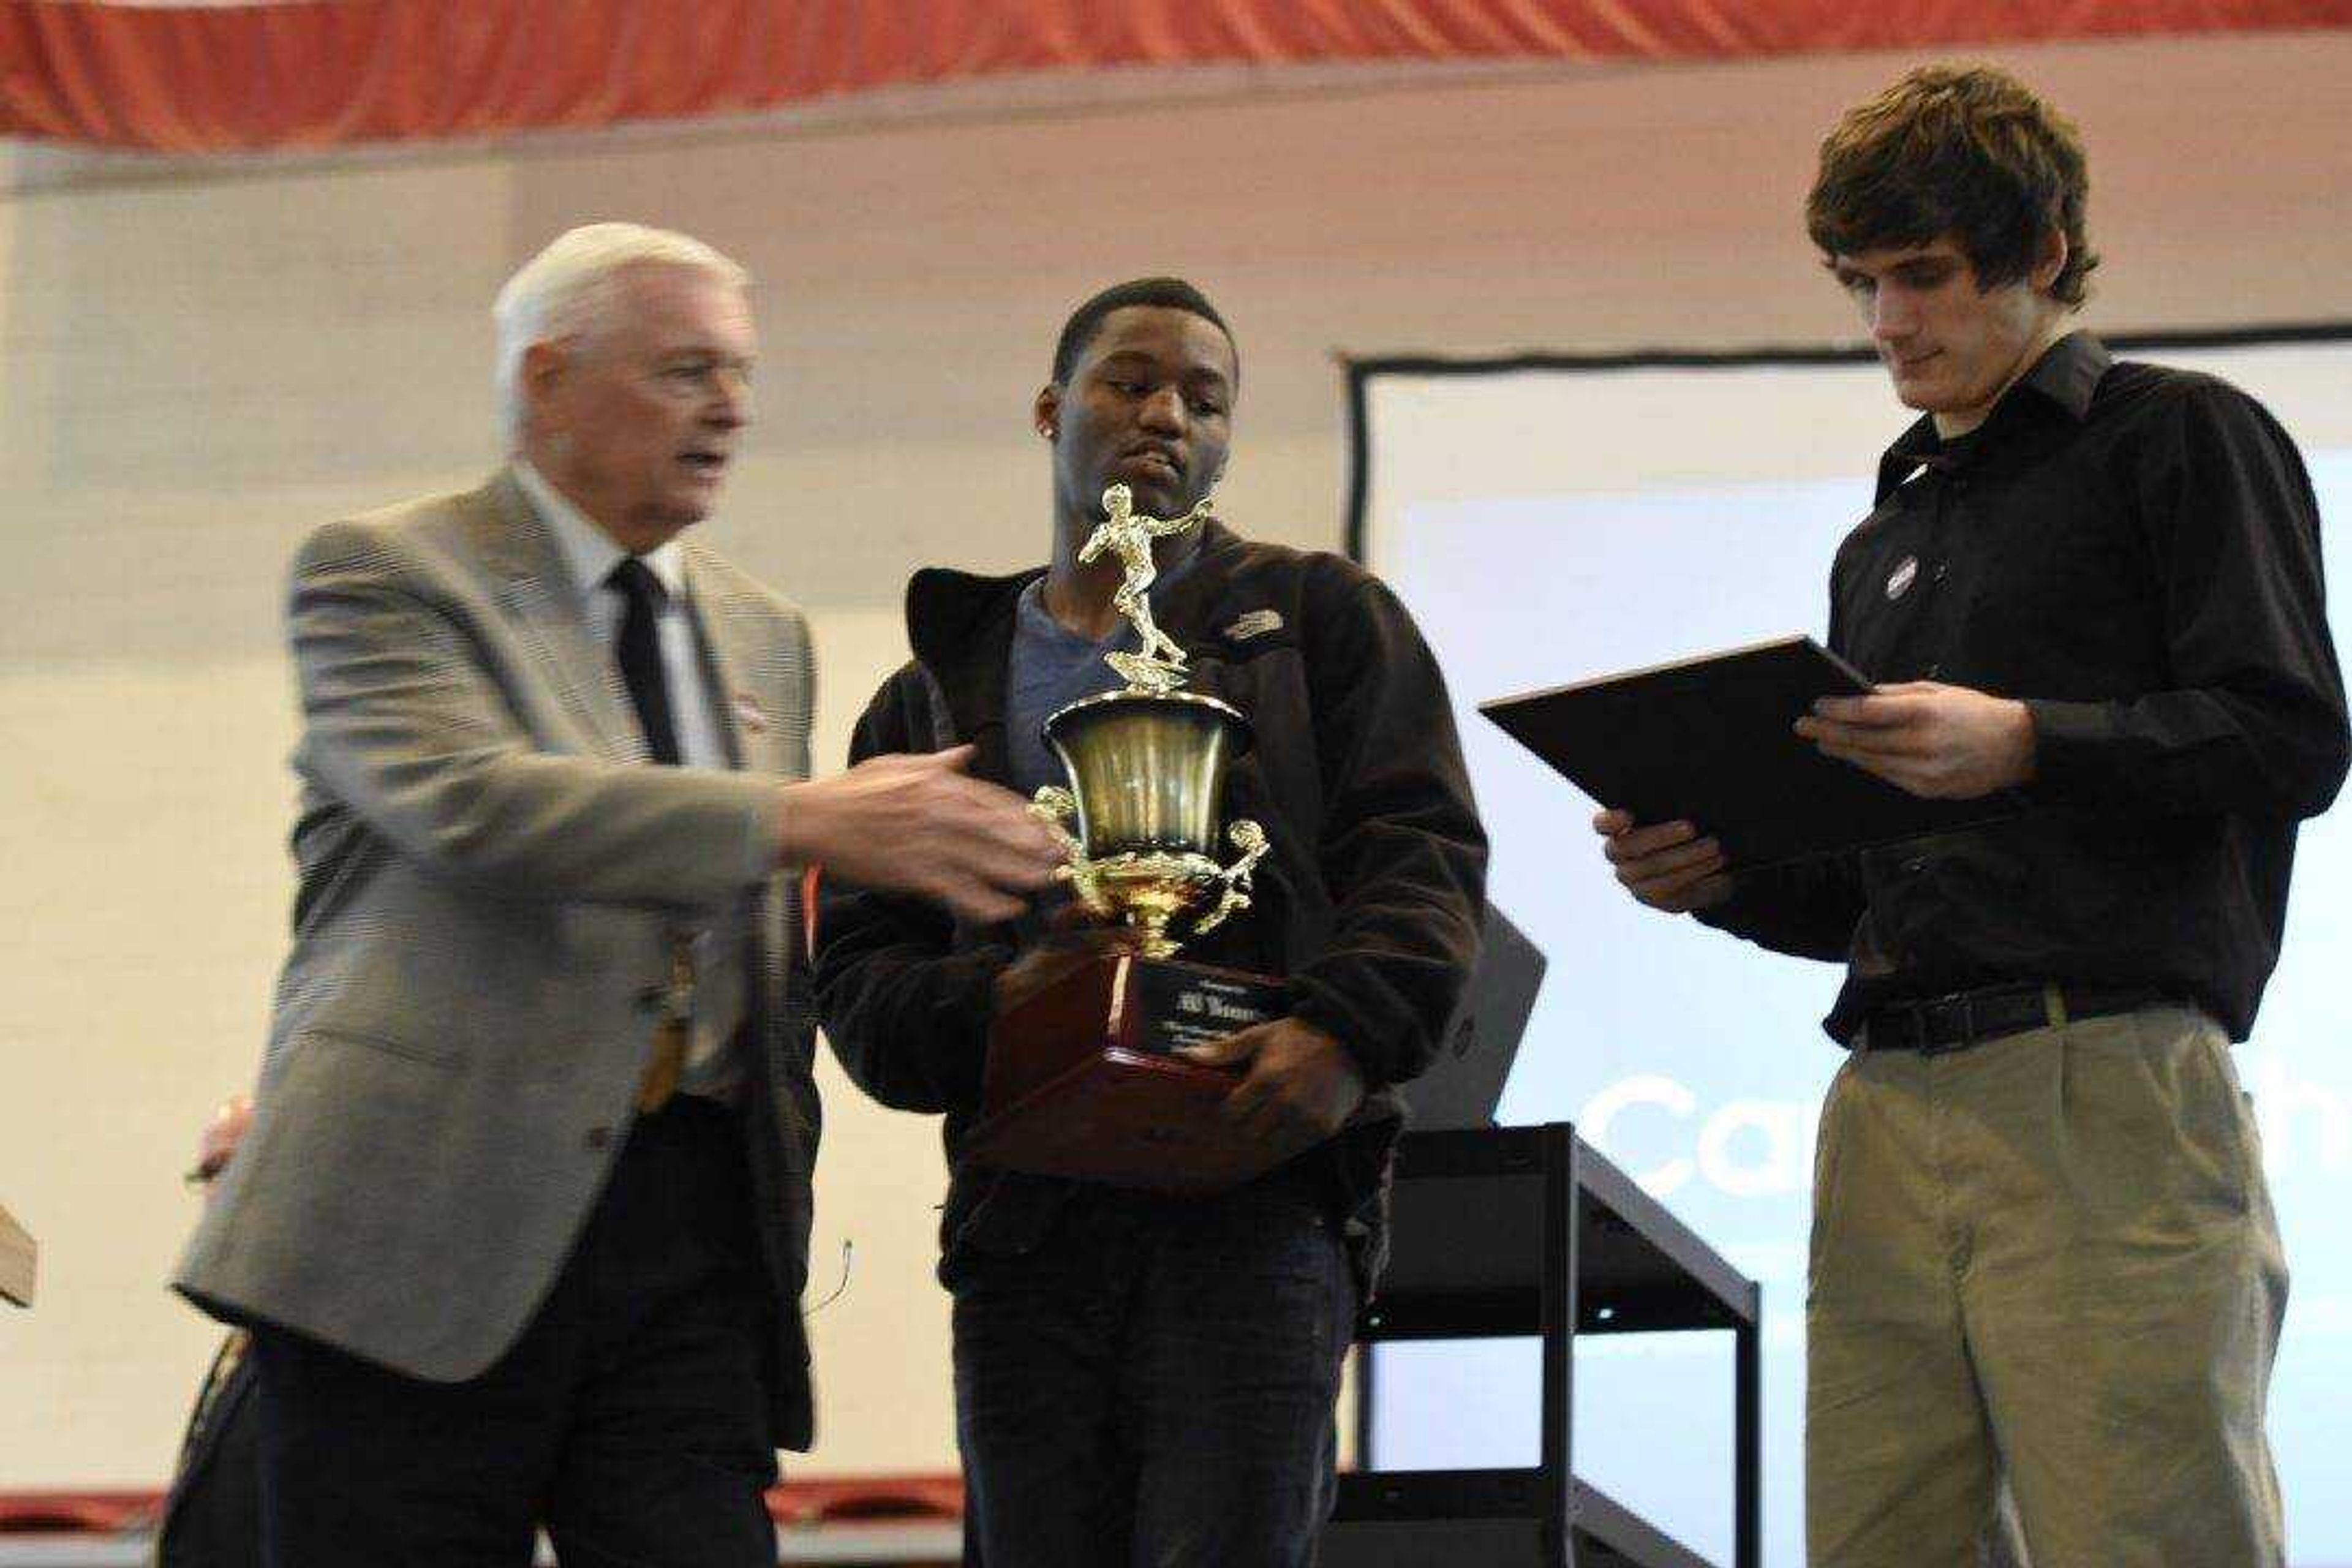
x,y
1257,623
1899,581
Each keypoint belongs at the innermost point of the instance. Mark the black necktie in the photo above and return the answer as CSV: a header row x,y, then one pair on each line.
x,y
641,660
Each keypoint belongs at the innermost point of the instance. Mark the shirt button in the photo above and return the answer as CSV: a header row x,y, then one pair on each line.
x,y
1912,867
596,1138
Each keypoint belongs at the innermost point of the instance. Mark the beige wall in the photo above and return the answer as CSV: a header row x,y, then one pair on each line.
x,y
196,366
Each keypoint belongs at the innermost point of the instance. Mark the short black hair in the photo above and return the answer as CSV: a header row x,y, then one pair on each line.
x,y
1162,293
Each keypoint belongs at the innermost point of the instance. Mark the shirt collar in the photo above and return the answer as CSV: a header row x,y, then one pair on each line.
x,y
588,550
2066,378
2069,374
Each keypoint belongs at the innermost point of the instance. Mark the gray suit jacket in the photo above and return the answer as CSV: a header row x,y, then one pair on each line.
x,y
491,878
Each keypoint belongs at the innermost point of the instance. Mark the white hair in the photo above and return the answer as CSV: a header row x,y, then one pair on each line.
x,y
566,289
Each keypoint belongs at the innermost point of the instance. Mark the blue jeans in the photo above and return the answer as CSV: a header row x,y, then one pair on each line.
x,y
1151,1385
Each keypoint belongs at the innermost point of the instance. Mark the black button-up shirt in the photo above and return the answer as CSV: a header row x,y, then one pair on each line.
x,y
2135,553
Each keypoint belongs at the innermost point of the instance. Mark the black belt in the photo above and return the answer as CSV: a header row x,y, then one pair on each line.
x,y
1934,1024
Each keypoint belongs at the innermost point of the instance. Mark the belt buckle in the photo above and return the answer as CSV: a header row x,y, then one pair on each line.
x,y
1965,1002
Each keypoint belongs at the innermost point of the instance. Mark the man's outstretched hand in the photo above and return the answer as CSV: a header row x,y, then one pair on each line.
x,y
1300,1087
918,822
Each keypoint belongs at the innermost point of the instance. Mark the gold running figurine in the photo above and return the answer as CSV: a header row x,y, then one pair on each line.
x,y
1159,665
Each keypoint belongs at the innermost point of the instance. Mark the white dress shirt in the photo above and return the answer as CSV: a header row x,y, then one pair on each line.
x,y
591,553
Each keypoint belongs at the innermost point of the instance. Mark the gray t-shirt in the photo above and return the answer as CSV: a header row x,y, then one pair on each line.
x,y
1052,667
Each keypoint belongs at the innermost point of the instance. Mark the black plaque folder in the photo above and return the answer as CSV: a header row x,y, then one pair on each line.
x,y
1711,740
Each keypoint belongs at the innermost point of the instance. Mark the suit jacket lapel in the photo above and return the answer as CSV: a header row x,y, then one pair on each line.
x,y
733,652
730,654
536,591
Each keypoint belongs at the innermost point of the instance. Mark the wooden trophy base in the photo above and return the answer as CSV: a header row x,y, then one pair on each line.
x,y
1081,1080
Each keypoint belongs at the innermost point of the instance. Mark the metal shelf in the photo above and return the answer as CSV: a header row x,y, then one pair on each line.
x,y
1443,1519
1527,1231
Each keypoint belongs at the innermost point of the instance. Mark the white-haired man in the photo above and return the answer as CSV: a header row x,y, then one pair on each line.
x,y
520,1226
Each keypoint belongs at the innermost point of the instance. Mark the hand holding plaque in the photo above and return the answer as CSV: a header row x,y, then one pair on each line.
x,y
1081,1079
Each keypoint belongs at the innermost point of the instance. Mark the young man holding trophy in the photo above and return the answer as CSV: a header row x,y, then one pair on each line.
x,y
1166,1196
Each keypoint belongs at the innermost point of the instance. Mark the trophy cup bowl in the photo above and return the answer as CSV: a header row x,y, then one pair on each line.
x,y
1147,775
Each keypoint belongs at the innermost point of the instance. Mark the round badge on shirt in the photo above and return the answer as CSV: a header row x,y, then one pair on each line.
x,y
1899,581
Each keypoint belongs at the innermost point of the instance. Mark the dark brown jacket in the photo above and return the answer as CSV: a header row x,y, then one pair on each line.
x,y
1367,903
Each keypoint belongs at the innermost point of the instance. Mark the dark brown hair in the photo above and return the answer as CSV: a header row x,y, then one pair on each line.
x,y
1964,151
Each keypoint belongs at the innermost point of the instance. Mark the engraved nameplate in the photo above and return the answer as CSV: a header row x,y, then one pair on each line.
x,y
1181,1005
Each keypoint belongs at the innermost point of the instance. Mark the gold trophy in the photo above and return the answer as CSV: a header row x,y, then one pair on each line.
x,y
1081,1079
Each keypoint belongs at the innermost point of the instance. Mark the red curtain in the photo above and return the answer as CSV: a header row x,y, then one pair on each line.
x,y
296,73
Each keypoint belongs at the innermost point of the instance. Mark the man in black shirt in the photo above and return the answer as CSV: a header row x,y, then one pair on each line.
x,y
2043,1252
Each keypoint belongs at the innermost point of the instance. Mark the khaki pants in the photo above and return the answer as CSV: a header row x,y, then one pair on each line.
x,y
2048,1261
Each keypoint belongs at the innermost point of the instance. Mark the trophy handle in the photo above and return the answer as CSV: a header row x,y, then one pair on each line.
x,y
1057,808
1249,838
